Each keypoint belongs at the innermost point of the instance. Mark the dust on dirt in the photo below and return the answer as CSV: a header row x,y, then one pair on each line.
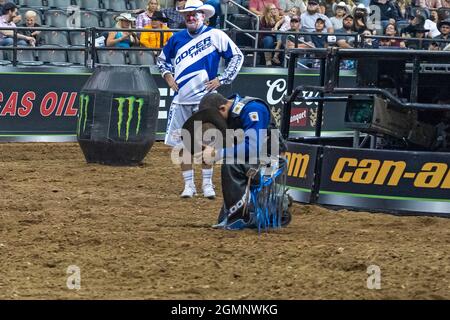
x,y
133,238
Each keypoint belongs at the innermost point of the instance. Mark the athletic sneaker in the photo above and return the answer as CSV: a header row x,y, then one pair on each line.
x,y
208,191
189,191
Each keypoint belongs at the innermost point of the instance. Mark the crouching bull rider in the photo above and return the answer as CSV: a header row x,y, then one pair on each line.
x,y
250,148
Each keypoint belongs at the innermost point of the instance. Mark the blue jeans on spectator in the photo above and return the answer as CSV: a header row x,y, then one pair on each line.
x,y
269,42
9,42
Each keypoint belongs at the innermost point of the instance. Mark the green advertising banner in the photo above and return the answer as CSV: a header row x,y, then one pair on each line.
x,y
45,101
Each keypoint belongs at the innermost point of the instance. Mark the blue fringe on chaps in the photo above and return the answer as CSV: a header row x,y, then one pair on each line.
x,y
262,204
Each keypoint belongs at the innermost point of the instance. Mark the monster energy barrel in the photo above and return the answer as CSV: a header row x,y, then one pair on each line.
x,y
117,115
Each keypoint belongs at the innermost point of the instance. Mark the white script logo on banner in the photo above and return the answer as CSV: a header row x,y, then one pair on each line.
x,y
277,90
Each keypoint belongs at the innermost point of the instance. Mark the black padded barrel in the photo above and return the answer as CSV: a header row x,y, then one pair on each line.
x,y
117,115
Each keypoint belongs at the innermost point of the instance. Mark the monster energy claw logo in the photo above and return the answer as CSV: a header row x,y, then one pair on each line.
x,y
82,112
131,100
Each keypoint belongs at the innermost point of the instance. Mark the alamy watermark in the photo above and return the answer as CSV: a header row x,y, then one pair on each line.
x,y
237,147
374,279
74,279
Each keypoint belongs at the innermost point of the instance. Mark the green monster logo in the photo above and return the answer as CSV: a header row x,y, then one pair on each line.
x,y
131,100
82,112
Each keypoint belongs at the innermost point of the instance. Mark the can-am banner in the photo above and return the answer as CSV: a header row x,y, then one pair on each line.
x,y
42,102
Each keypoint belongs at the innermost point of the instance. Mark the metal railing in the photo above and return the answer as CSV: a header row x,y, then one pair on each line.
x,y
256,37
329,79
92,33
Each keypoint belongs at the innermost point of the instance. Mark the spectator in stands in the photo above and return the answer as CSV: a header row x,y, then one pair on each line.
x,y
258,6
360,14
329,7
369,42
287,5
432,24
342,40
418,32
391,31
176,20
153,39
284,24
430,4
302,41
319,40
268,22
445,3
123,39
16,19
388,12
310,17
444,28
322,8
339,11
145,17
6,21
414,22
402,8
30,22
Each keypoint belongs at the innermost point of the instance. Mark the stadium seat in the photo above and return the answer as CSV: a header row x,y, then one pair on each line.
x,y
55,37
139,4
89,19
39,16
60,4
77,38
108,19
53,57
141,58
88,4
24,57
76,57
4,61
32,3
56,18
115,5
242,21
111,57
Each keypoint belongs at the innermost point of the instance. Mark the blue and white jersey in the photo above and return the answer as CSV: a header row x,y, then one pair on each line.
x,y
195,59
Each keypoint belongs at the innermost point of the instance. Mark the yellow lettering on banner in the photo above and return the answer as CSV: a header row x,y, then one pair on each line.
x,y
337,174
431,175
298,164
387,166
446,183
366,172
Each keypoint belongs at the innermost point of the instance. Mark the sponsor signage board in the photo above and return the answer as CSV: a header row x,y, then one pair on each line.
x,y
396,181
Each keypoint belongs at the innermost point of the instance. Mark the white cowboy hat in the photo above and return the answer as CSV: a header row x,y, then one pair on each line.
x,y
341,4
197,5
125,16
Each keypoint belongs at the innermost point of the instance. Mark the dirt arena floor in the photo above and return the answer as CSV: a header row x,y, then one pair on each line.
x,y
133,238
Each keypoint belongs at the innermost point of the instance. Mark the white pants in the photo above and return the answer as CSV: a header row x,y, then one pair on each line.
x,y
178,114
